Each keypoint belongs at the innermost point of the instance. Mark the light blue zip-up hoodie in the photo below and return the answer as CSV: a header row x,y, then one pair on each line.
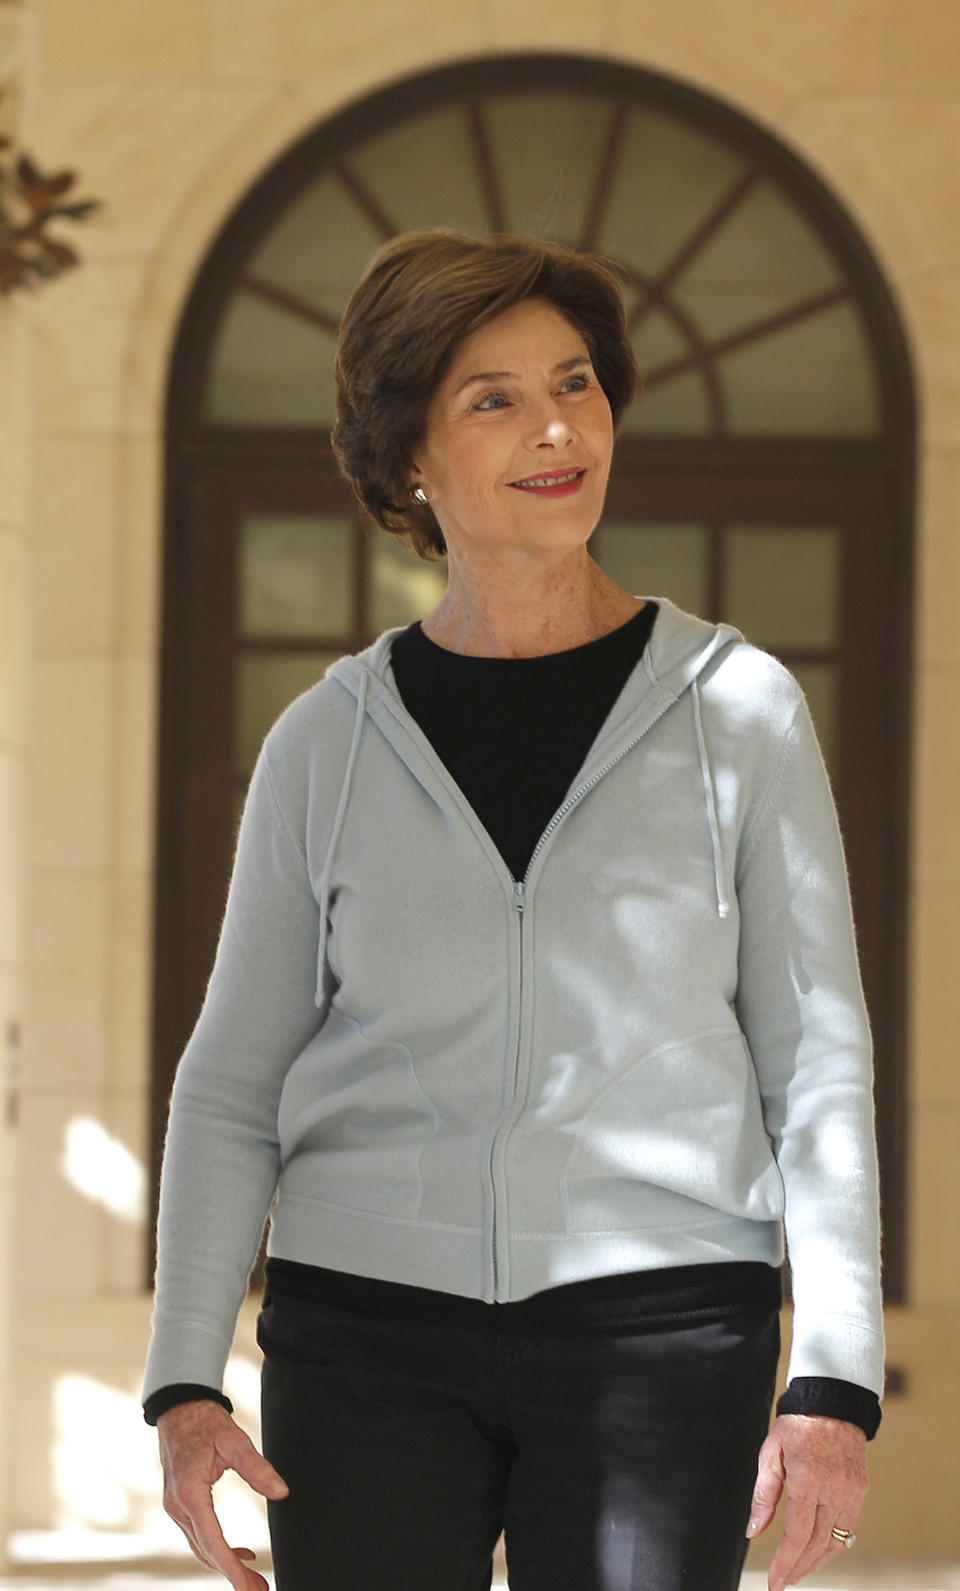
x,y
652,1051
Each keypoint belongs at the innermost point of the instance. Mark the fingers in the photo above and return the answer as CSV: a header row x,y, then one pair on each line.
x,y
198,1442
238,1453
796,1558
766,1493
196,1517
806,1531
826,1482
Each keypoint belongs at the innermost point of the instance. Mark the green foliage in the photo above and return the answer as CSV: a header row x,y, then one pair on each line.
x,y
29,201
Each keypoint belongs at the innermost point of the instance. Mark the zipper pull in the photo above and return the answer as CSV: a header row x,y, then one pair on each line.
x,y
518,894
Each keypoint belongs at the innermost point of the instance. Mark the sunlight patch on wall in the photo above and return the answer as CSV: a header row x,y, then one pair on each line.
x,y
104,1170
106,1469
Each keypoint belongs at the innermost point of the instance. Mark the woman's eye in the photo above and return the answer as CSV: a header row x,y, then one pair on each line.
x,y
583,380
482,402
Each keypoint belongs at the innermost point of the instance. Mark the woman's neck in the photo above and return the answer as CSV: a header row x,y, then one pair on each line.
x,y
553,612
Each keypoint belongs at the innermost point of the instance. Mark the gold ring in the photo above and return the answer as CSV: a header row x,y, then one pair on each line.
x,y
846,1536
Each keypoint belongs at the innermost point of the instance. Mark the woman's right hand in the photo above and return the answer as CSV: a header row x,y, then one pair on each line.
x,y
198,1442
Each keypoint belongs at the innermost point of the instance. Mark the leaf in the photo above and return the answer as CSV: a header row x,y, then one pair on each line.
x,y
27,172
80,208
60,182
38,189
62,253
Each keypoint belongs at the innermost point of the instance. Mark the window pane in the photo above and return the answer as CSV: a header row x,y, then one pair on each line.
x,y
680,403
402,587
296,575
814,376
668,176
270,367
782,585
273,364
657,339
764,259
818,681
649,559
423,171
548,192
319,247
265,683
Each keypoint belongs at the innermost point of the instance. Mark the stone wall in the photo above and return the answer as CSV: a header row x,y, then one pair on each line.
x,y
170,112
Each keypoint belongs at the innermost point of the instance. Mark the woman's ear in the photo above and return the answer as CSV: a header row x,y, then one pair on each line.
x,y
417,489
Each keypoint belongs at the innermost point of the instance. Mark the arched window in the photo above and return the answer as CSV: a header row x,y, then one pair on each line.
x,y
766,476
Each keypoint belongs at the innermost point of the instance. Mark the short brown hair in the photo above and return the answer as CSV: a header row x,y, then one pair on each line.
x,y
420,295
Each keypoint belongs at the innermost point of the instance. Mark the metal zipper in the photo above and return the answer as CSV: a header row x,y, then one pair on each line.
x,y
519,904
519,886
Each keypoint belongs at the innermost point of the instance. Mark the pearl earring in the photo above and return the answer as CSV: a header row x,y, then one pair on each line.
x,y
419,494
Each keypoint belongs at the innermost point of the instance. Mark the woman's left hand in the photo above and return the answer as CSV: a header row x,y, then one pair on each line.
x,y
824,1465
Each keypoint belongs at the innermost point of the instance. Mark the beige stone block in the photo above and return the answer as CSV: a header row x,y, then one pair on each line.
x,y
521,24
894,162
89,1461
83,329
135,794
114,38
910,1499
285,38
934,1019
277,115
69,786
17,313
31,1437
138,147
932,303
936,776
11,856
14,598
140,543
154,320
13,21
58,1220
938,557
130,982
758,53
124,1265
65,981
925,47
933,1202
75,516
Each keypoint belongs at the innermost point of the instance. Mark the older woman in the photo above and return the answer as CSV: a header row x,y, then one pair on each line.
x,y
536,1013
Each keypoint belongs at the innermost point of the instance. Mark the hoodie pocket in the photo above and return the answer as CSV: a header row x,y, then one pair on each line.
x,y
674,1139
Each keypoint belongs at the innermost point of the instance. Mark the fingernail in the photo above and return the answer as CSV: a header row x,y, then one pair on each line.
x,y
754,1523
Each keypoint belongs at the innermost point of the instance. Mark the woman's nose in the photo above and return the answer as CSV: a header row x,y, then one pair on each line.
x,y
550,424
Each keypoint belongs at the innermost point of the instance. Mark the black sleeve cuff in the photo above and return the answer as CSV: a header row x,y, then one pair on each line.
x,y
182,1392
840,1400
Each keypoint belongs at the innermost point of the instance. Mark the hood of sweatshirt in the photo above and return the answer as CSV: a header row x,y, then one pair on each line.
x,y
680,648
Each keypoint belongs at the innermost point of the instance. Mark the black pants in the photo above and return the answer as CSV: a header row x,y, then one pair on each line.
x,y
617,1455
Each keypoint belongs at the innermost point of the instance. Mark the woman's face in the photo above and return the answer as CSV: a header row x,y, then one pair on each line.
x,y
520,403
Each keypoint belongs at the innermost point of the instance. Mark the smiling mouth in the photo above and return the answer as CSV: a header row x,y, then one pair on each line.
x,y
538,482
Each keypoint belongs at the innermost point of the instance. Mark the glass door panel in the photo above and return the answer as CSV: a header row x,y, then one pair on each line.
x,y
296,612
401,587
645,559
295,576
820,684
264,685
782,584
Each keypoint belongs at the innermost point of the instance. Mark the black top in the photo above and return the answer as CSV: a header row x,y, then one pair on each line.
x,y
514,733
